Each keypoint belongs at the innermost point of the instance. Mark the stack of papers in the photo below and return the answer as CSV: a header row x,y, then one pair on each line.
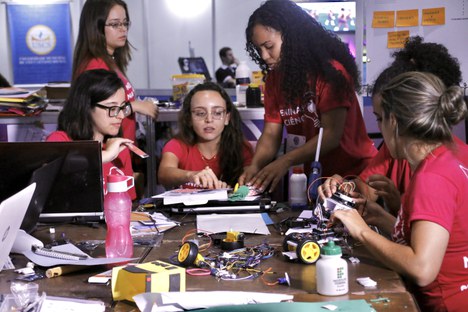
x,y
143,223
16,101
191,197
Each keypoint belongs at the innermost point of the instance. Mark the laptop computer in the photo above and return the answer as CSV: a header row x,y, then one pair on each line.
x,y
194,65
70,175
12,212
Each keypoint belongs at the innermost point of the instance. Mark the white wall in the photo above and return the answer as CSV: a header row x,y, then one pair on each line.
x,y
454,34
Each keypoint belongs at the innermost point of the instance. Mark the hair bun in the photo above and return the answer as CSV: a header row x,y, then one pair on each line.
x,y
452,105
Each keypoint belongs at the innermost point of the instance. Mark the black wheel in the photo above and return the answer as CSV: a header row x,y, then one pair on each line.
x,y
286,246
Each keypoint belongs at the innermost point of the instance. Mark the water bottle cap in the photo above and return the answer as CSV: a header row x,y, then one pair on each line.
x,y
119,183
243,71
330,249
298,170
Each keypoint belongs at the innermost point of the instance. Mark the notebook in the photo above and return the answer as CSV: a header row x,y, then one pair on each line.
x,y
69,173
12,212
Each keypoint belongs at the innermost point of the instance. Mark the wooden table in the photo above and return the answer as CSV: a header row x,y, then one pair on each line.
x,y
302,276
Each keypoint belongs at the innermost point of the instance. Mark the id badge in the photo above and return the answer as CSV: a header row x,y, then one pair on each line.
x,y
294,141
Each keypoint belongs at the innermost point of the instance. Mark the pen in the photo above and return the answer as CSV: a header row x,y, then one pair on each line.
x,y
236,187
61,270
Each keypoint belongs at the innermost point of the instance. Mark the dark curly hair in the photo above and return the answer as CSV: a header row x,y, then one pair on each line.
x,y
421,56
306,51
232,141
430,57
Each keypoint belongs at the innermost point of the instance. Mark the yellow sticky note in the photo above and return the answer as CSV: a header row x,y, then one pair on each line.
x,y
407,18
397,39
383,19
434,16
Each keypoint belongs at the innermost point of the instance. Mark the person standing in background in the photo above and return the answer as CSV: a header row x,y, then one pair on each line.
x,y
226,74
311,83
95,109
103,43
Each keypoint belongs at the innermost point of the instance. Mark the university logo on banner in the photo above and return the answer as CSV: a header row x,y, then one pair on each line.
x,y
40,42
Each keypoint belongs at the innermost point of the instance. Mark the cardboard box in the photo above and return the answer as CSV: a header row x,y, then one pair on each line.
x,y
155,276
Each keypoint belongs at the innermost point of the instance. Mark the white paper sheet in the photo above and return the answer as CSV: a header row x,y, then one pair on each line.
x,y
180,301
220,223
190,197
48,261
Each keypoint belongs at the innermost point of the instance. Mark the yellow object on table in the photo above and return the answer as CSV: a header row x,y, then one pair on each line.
x,y
155,276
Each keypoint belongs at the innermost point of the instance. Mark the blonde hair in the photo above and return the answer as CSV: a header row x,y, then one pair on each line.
x,y
423,107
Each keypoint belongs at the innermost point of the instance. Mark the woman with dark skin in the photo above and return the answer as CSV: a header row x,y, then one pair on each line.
x,y
311,79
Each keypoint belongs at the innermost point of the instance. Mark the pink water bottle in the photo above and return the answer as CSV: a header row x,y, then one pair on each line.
x,y
117,210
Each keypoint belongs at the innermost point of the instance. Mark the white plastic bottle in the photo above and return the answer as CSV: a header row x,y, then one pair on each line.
x,y
331,271
243,74
298,189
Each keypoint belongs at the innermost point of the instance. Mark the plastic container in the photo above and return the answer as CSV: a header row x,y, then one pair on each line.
x,y
243,78
182,84
331,271
117,210
253,96
298,189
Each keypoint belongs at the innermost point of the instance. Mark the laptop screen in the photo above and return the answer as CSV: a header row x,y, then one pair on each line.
x,y
68,176
194,65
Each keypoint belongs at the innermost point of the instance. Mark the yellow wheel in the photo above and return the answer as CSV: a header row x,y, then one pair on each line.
x,y
308,251
187,253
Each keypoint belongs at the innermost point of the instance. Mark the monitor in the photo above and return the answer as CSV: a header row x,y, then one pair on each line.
x,y
335,16
68,175
194,65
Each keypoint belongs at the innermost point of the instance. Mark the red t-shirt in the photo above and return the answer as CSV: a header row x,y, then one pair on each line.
x,y
356,149
122,162
398,170
128,124
191,159
438,192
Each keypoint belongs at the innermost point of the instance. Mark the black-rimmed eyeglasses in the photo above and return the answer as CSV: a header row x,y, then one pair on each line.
x,y
113,111
118,25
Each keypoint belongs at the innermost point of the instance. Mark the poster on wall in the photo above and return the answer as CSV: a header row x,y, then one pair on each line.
x,y
40,38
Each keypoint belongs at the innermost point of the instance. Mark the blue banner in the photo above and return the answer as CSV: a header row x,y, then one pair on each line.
x,y
40,42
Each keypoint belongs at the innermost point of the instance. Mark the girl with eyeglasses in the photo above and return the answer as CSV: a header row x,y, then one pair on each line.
x,y
210,150
102,43
95,109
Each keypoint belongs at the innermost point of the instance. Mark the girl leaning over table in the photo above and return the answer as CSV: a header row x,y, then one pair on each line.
x,y
210,150
94,110
429,243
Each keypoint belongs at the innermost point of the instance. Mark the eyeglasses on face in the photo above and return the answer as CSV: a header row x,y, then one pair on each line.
x,y
201,114
118,25
113,111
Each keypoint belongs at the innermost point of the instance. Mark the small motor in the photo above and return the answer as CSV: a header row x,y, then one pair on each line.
x,y
338,201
